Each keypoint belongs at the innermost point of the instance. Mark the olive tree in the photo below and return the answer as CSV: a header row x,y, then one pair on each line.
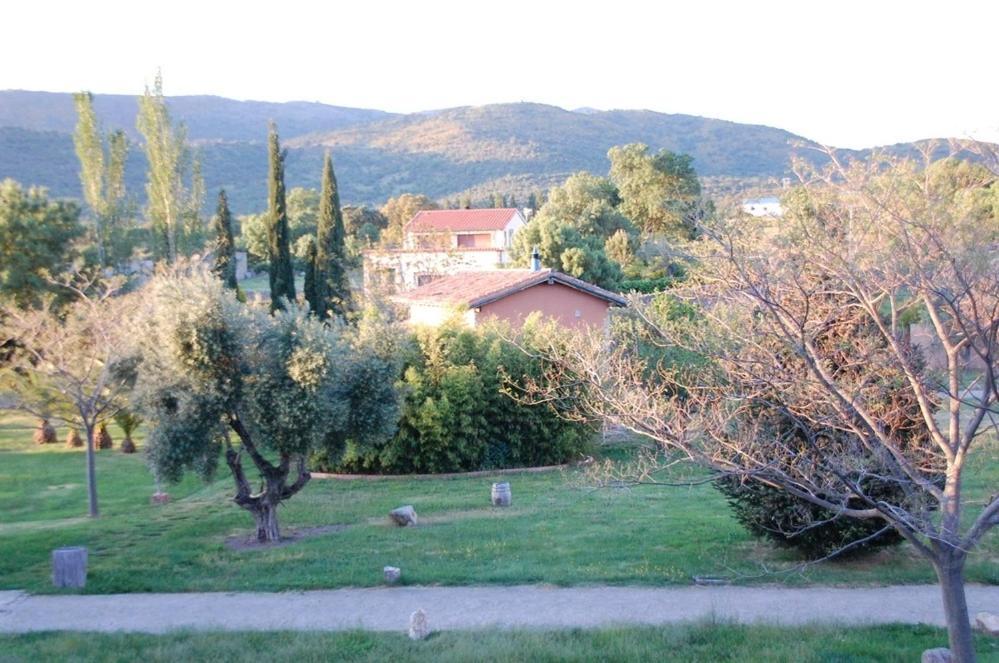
x,y
220,379
869,243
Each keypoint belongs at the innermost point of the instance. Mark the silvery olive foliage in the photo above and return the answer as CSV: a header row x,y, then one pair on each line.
x,y
216,373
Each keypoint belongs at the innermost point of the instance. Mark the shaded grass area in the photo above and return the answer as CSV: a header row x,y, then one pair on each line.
x,y
702,642
261,284
556,532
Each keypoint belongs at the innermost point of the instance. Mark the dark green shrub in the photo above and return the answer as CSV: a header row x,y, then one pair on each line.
x,y
788,521
459,415
851,350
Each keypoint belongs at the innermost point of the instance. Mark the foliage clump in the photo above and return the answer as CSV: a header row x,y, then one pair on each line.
x,y
460,409
219,378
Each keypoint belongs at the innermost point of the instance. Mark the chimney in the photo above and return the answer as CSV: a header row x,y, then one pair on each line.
x,y
535,260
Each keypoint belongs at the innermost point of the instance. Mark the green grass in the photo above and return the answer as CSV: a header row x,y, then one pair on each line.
x,y
554,533
699,642
261,283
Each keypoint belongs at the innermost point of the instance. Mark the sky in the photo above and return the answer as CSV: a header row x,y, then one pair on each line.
x,y
845,73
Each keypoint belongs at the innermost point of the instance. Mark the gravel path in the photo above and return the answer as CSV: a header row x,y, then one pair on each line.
x,y
388,609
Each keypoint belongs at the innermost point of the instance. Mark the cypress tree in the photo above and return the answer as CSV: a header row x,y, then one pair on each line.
x,y
332,284
282,276
309,287
225,247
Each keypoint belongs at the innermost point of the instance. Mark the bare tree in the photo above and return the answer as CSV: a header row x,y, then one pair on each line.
x,y
75,356
803,318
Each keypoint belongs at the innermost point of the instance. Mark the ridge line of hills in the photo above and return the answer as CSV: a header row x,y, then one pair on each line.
x,y
509,148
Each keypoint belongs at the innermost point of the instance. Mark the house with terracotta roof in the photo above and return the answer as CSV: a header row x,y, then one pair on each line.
x,y
511,295
441,242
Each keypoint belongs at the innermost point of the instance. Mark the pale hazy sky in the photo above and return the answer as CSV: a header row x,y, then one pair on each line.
x,y
847,73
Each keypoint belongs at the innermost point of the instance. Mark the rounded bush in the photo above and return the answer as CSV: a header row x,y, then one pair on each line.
x,y
789,521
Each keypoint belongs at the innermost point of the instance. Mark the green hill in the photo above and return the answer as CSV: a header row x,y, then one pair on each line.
x,y
512,148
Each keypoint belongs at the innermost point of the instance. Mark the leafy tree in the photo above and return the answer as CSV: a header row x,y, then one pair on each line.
x,y
102,177
659,192
620,247
173,206
309,285
303,216
225,247
332,285
282,275
36,241
219,377
571,229
363,224
399,211
76,358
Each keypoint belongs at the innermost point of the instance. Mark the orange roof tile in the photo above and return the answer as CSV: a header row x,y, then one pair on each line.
x,y
475,289
460,220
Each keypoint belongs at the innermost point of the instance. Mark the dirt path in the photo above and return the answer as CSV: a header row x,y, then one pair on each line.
x,y
388,609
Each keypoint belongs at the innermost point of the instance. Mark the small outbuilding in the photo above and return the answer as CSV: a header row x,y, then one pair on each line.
x,y
511,295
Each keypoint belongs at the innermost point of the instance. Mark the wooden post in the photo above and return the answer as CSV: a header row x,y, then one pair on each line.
x,y
69,567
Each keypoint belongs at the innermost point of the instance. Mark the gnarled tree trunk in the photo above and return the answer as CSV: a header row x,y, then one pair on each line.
x,y
266,518
264,504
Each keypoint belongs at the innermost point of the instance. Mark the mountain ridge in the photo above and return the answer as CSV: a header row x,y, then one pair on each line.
x,y
443,153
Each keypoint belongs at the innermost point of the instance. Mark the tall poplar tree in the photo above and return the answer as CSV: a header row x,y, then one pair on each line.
x,y
225,247
173,209
332,288
102,174
282,276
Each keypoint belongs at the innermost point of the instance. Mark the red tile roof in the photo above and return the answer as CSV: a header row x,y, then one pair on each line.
x,y
475,289
460,220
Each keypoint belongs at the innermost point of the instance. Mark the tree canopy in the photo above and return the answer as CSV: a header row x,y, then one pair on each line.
x,y
398,211
659,192
281,272
37,238
218,377
572,227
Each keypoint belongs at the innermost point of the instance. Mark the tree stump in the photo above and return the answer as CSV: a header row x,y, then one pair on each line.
x,y
501,495
159,497
69,567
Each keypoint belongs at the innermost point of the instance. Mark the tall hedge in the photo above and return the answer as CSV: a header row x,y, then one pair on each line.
x,y
459,413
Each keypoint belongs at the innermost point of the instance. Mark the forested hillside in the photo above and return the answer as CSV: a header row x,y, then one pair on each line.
x,y
511,148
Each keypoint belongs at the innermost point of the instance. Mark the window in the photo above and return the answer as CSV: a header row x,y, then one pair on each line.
x,y
475,240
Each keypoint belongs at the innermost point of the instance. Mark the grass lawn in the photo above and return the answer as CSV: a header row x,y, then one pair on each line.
x,y
261,283
555,532
698,642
